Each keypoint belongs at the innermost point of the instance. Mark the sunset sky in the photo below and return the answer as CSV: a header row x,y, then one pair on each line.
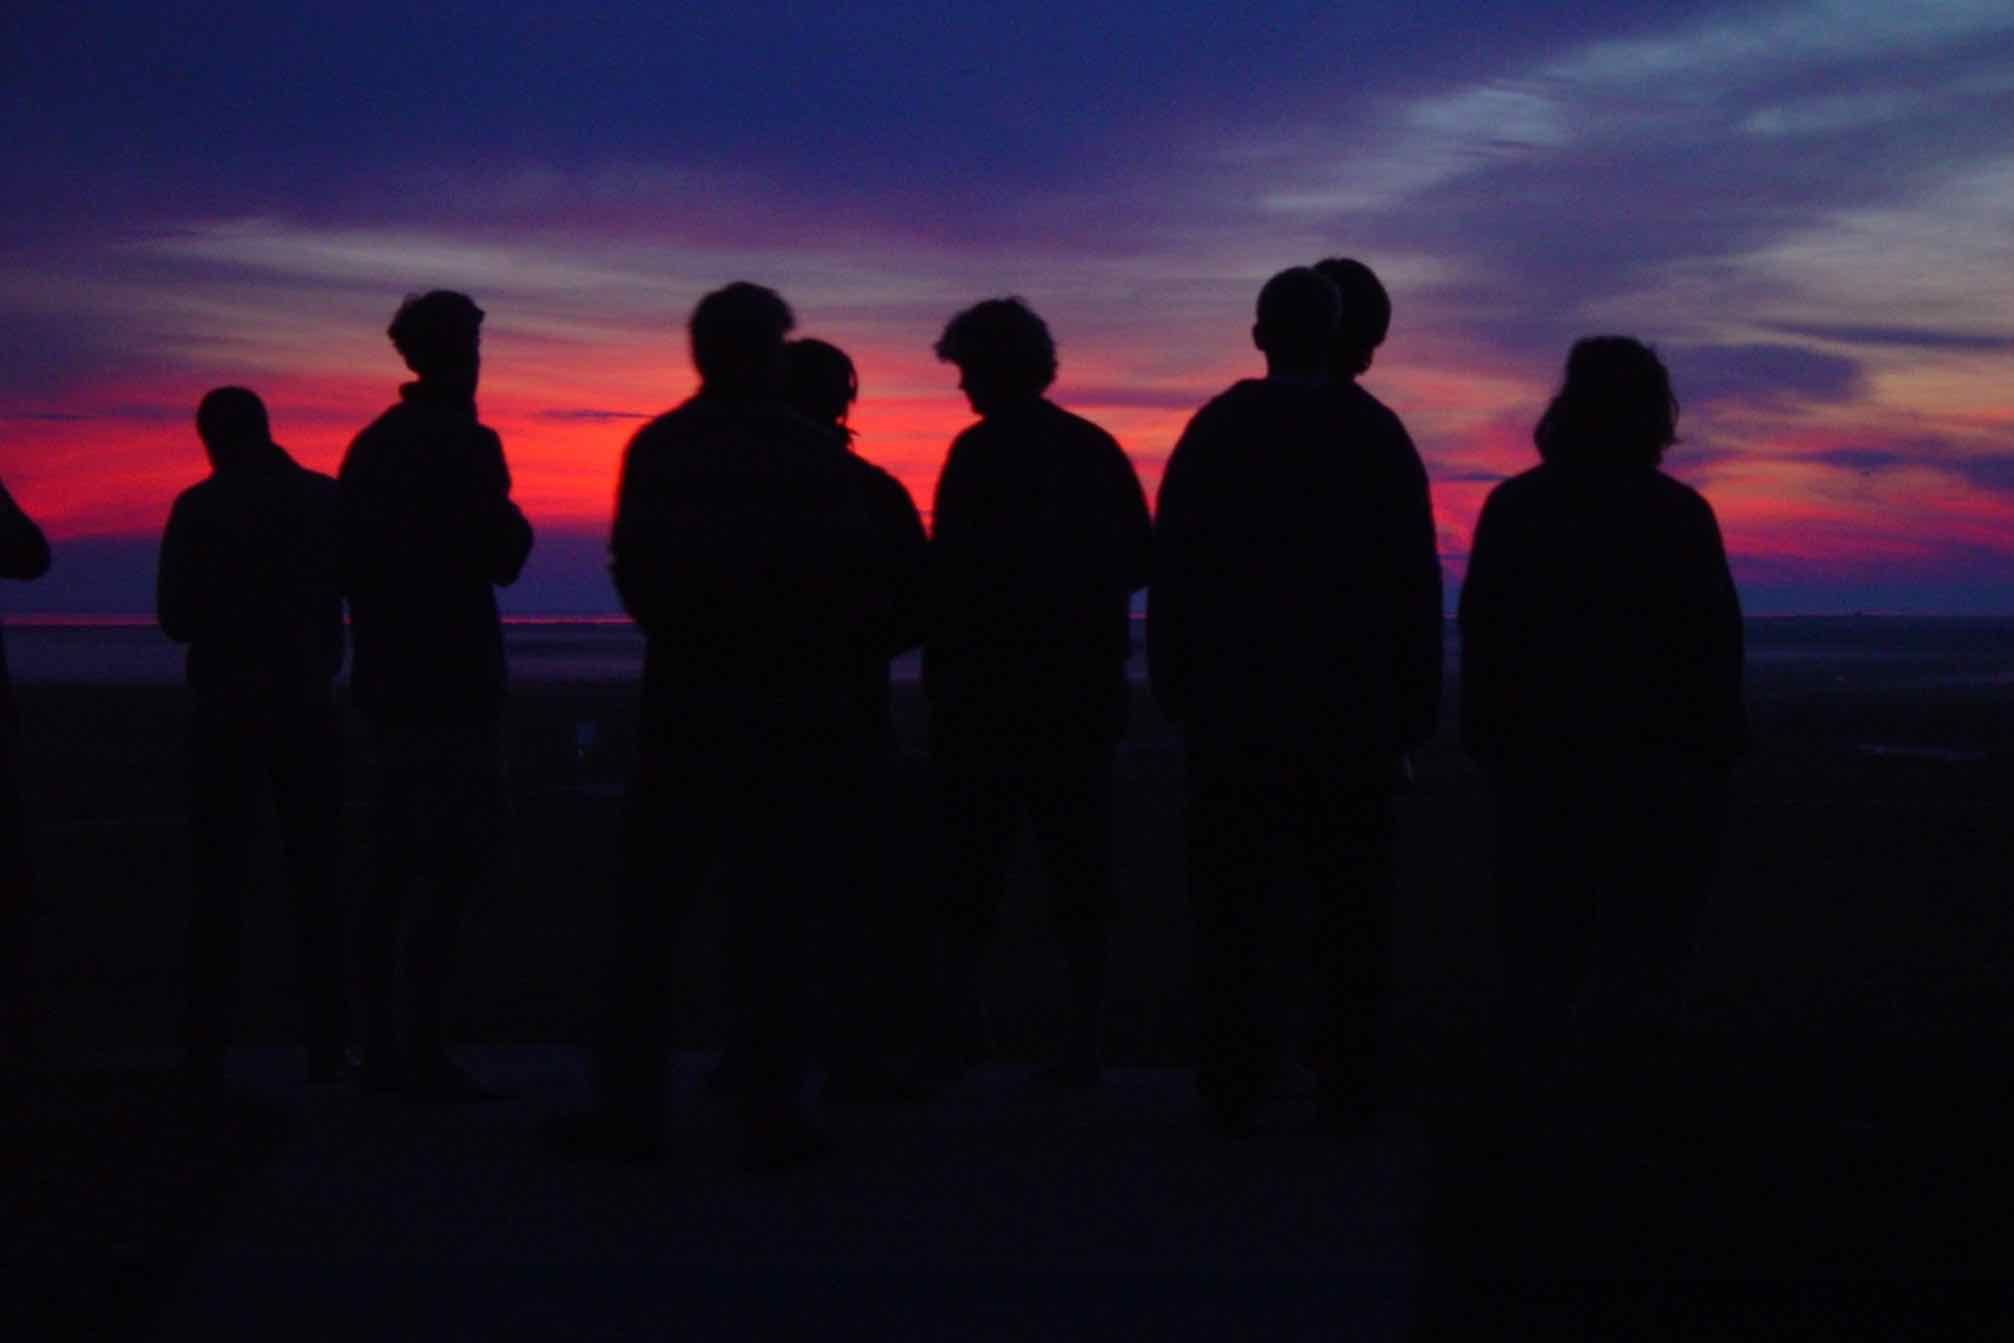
x,y
1808,206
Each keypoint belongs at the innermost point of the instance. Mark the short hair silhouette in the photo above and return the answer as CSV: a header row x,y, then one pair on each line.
x,y
737,333
229,416
1004,341
820,383
1297,314
436,332
1366,316
1615,407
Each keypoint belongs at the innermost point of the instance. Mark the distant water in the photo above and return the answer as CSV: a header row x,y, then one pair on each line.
x,y
1857,652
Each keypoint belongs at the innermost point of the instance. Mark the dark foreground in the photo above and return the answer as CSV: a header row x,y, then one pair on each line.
x,y
1831,1154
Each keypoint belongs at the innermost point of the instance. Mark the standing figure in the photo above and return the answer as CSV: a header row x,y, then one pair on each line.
x,y
24,553
879,957
250,580
1601,694
1039,538
430,532
1295,634
766,566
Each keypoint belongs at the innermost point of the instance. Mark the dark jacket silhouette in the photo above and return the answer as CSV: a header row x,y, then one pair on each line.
x,y
1039,537
1297,592
431,532
250,577
772,572
1599,620
24,553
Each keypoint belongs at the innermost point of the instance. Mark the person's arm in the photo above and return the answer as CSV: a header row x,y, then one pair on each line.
x,y
1418,601
1481,617
1133,526
179,583
637,579
908,548
24,551
1724,641
1168,601
507,538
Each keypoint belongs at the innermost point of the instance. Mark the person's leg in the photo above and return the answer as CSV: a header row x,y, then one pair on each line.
x,y
1347,838
872,922
221,773
17,1017
671,840
1232,792
1544,869
979,811
462,791
1664,829
1071,805
308,798
784,841
380,922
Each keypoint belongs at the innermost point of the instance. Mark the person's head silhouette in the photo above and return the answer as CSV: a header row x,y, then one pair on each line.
x,y
1365,318
439,335
232,423
1003,351
737,336
1615,407
1296,321
820,382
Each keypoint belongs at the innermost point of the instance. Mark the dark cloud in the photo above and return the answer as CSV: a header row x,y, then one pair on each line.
x,y
1995,472
1865,460
1759,375
560,415
1906,337
1133,398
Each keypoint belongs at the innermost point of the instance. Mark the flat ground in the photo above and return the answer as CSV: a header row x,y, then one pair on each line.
x,y
1851,1003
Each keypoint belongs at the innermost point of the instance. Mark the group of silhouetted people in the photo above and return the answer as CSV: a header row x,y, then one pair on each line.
x,y
1294,634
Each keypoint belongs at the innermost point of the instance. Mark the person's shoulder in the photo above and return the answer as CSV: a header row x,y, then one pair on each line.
x,y
1363,402
1521,489
1241,399
1079,426
1681,499
194,498
391,424
669,428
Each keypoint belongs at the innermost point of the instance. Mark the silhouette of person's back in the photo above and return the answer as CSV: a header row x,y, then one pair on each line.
x,y
1040,534
877,944
24,554
1601,693
430,533
765,565
1294,633
250,580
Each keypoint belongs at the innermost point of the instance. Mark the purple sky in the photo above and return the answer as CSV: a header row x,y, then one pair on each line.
x,y
1809,207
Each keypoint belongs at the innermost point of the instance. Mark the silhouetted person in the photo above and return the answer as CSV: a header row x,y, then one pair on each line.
x,y
766,566
1294,632
877,943
1601,694
1040,536
24,554
430,532
250,579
